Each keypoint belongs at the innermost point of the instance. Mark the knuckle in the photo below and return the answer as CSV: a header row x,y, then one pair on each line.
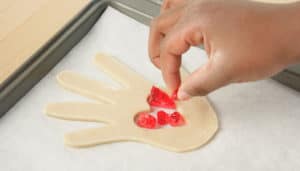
x,y
199,91
165,4
172,71
202,92
154,59
193,89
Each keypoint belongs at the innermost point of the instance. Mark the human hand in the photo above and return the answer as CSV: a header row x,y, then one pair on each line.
x,y
244,40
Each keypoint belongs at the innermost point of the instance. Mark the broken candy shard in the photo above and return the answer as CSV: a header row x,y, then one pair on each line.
x,y
176,119
162,117
145,120
158,98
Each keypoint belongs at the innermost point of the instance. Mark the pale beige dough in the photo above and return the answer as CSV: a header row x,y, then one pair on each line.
x,y
118,108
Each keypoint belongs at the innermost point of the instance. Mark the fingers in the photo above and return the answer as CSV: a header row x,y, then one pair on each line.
x,y
177,42
87,87
94,136
159,27
203,81
82,111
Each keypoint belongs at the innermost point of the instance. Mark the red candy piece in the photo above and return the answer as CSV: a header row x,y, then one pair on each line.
x,y
162,117
158,98
176,119
145,120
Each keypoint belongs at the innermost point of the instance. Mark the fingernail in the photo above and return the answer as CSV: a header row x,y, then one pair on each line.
x,y
183,95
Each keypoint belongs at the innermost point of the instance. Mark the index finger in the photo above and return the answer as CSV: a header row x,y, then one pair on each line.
x,y
177,42
159,27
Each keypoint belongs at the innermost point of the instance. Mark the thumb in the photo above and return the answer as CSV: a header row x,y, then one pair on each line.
x,y
203,81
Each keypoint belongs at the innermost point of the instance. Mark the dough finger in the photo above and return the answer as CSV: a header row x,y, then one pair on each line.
x,y
94,136
81,111
87,87
119,72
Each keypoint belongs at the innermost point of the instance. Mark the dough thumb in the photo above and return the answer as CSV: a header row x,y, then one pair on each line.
x,y
202,81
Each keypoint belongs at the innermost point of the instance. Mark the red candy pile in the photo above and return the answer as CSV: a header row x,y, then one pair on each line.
x,y
158,98
162,117
146,120
176,119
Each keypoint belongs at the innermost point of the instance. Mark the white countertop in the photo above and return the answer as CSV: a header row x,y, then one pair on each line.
x,y
259,121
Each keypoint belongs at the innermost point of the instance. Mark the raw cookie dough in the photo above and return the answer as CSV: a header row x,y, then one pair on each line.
x,y
118,108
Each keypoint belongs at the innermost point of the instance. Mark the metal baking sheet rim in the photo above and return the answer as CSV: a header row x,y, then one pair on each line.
x,y
17,85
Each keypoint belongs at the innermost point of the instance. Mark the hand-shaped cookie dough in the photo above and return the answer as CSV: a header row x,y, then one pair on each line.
x,y
118,108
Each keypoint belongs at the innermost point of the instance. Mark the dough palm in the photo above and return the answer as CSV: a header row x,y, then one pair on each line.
x,y
118,108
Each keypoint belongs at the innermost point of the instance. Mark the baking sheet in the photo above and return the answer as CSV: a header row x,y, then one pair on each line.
x,y
23,30
259,121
